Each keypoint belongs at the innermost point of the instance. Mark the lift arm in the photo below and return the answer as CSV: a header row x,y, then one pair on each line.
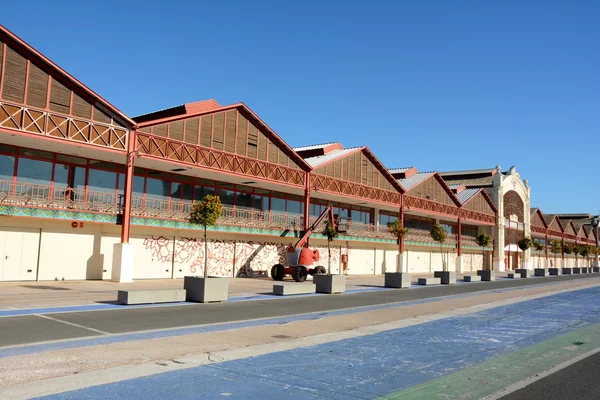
x,y
328,212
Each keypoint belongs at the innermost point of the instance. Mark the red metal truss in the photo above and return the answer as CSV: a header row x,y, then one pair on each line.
x,y
556,234
346,188
53,124
168,149
417,203
537,229
476,216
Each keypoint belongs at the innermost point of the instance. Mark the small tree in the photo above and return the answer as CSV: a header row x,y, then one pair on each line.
x,y
555,248
206,213
483,240
538,246
331,234
524,244
575,250
584,251
398,231
439,234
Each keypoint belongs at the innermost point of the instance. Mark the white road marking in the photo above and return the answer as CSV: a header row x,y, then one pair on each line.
x,y
73,324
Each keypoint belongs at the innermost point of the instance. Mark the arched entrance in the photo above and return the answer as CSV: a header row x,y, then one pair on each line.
x,y
514,228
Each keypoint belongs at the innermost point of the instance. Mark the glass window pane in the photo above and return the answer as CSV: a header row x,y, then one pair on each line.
x,y
188,192
355,214
277,204
34,171
201,191
243,200
138,186
7,167
367,217
294,207
102,181
157,189
176,190
226,197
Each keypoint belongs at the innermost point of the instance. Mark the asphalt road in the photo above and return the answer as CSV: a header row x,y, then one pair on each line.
x,y
21,330
576,382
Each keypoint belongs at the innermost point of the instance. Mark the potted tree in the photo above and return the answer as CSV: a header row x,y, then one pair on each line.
x,y
573,249
439,234
556,248
398,279
595,251
487,274
330,283
206,289
584,251
538,246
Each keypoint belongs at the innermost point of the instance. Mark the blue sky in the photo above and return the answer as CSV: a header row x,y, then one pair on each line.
x,y
441,85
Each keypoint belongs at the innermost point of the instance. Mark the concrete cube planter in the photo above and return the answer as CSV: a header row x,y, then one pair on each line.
x,y
540,272
595,269
584,270
567,271
576,270
330,284
554,271
486,275
447,277
211,289
398,280
525,273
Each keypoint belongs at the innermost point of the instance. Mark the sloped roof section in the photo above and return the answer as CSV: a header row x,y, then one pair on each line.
x,y
317,161
313,146
467,194
7,35
399,170
192,110
412,181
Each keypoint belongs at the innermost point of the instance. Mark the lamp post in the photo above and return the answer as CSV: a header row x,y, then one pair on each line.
x,y
596,225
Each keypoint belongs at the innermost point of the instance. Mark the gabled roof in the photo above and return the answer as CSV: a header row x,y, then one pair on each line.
x,y
579,224
42,59
314,146
399,170
317,161
471,177
548,218
191,110
412,181
468,172
535,210
467,194
420,177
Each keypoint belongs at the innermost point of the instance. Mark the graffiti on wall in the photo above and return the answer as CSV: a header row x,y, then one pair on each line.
x,y
247,259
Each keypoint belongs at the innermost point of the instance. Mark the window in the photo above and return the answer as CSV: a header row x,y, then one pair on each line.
x,y
7,167
201,191
243,200
34,171
294,207
226,197
157,189
277,204
102,181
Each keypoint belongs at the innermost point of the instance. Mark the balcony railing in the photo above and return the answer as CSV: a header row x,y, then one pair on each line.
x,y
61,197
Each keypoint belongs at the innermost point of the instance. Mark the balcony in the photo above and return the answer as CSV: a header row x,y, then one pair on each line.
x,y
63,198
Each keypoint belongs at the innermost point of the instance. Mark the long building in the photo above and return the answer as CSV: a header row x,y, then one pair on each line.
x,y
87,192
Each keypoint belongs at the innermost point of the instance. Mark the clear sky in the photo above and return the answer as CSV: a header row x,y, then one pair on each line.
x,y
440,85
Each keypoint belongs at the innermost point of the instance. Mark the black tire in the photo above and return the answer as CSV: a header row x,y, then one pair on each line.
x,y
319,270
299,274
277,272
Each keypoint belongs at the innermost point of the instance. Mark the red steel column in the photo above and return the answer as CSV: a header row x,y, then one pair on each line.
x,y
459,244
401,241
307,203
546,248
128,188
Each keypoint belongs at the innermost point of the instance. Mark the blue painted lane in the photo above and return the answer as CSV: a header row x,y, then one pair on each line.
x,y
369,366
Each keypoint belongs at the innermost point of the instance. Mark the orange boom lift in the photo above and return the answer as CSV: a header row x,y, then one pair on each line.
x,y
299,258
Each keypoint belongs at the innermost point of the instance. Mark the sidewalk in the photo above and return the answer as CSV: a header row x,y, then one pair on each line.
x,y
18,295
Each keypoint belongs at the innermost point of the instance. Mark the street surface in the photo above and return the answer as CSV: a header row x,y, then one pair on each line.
x,y
464,341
